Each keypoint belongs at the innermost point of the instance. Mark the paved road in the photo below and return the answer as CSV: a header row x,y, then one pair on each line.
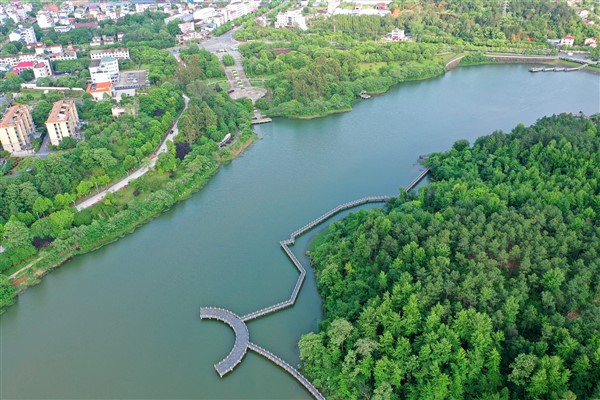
x,y
162,148
44,148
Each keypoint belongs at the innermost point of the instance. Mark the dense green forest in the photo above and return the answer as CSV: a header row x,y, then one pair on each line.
x,y
476,21
324,69
315,78
483,285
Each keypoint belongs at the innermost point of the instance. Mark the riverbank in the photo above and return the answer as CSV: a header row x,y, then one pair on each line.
x,y
123,223
471,59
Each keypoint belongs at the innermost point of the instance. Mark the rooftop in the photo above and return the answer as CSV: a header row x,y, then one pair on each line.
x,y
60,110
99,87
9,117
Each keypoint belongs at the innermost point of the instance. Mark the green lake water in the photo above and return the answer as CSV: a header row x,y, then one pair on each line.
x,y
122,322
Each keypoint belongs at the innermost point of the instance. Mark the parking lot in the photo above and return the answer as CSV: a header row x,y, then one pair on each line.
x,y
131,80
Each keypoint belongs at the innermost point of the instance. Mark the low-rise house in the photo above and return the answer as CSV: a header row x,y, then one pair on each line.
x,y
101,91
22,66
117,111
590,42
567,41
62,28
42,69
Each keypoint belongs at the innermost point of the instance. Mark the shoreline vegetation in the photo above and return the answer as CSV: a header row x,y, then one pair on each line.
x,y
309,75
483,284
48,261
51,260
47,230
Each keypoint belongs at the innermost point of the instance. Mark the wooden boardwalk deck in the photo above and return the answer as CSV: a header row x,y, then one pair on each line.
x,y
242,337
287,367
238,324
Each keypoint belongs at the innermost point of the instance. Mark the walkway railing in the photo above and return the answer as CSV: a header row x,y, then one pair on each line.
x,y
291,370
238,324
285,246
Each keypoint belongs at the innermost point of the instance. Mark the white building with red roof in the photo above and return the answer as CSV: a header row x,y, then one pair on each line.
x,y
567,41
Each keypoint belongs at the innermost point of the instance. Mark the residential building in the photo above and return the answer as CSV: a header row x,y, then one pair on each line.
x,y
122,54
104,70
62,28
22,66
397,35
99,90
96,41
62,122
567,40
237,9
16,129
590,42
204,14
117,110
25,35
65,55
45,19
187,27
108,40
291,19
42,69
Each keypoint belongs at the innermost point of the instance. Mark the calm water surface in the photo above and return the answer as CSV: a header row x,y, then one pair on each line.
x,y
122,322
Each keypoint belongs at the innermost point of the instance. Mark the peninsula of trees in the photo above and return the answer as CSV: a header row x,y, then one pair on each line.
x,y
483,285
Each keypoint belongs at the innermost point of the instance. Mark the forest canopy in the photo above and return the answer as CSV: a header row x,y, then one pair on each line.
x,y
483,285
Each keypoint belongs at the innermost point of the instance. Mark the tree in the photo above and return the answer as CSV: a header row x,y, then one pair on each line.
x,y
41,205
40,112
7,292
16,234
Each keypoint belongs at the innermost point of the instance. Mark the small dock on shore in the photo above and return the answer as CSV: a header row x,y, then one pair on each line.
x,y
259,118
556,69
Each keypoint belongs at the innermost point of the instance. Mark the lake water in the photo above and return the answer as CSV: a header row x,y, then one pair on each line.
x,y
122,322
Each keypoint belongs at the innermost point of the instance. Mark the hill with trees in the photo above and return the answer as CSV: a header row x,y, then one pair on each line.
x,y
483,285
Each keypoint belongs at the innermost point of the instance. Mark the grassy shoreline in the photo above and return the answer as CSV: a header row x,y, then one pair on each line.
x,y
50,260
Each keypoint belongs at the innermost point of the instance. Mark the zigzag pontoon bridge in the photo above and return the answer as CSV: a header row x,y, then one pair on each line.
x,y
238,323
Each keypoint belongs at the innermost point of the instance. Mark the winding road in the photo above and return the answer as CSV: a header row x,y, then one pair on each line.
x,y
162,148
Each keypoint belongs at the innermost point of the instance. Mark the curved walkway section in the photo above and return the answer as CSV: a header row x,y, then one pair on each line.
x,y
286,243
291,370
242,337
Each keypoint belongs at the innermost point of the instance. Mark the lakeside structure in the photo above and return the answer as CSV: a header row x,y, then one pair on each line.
x,y
16,129
62,122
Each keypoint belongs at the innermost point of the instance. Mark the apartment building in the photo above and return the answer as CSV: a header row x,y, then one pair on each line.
x,y
104,70
291,19
16,129
42,69
62,122
25,35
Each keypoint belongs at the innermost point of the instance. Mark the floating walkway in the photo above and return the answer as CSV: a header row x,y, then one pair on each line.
x,y
291,370
238,324
242,337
